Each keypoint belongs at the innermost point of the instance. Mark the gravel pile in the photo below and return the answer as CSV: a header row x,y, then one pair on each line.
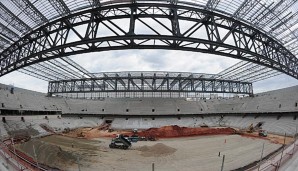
x,y
156,150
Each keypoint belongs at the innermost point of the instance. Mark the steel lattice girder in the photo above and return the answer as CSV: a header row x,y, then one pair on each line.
x,y
7,33
15,22
3,41
60,6
29,9
223,36
154,82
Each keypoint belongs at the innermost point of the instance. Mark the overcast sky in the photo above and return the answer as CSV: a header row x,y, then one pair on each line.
x,y
150,60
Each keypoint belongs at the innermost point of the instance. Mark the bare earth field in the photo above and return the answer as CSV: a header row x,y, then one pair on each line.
x,y
198,153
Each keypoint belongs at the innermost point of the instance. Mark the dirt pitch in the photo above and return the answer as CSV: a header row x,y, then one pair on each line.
x,y
198,153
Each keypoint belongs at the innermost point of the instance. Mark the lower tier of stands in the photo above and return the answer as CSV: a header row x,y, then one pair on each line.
x,y
39,125
275,124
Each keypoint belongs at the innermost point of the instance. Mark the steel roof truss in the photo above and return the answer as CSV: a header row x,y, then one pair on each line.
x,y
13,20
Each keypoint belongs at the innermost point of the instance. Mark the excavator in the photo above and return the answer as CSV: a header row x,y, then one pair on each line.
x,y
250,129
120,142
258,128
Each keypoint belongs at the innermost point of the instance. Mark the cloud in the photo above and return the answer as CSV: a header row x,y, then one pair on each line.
x,y
153,60
21,80
150,60
278,82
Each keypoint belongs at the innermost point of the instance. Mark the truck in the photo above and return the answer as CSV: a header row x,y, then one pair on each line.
x,y
120,142
134,138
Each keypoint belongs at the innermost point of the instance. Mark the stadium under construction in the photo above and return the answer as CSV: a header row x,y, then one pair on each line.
x,y
149,120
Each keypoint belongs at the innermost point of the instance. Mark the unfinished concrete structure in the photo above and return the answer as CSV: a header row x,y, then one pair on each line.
x,y
34,114
263,34
277,109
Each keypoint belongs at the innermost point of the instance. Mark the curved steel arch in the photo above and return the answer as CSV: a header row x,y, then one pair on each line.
x,y
179,28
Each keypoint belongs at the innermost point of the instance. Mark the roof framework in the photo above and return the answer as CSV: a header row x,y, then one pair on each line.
x,y
247,71
276,18
147,84
66,68
56,69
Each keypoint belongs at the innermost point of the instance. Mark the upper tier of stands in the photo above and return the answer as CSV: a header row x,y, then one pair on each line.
x,y
278,101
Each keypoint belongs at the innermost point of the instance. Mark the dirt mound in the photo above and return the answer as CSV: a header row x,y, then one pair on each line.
x,y
48,154
163,132
176,131
156,150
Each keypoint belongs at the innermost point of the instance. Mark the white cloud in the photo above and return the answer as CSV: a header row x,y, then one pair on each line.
x,y
21,80
278,82
153,60
149,60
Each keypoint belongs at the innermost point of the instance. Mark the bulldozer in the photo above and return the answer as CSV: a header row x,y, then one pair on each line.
x,y
120,142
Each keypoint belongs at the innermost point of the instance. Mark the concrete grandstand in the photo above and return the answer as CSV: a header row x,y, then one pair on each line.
x,y
24,115
277,109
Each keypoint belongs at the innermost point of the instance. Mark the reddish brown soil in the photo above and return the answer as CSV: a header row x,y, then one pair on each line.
x,y
171,132
176,131
163,132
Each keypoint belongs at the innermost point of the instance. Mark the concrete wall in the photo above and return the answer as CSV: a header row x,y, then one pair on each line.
x,y
271,123
284,100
